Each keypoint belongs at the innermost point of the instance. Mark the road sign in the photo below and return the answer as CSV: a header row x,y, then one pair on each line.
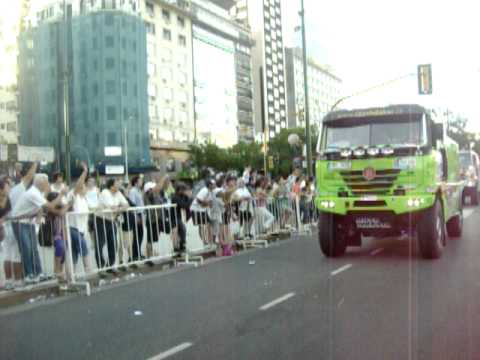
x,y
114,170
425,79
113,151
35,153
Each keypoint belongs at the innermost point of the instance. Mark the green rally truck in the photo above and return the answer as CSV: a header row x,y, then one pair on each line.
x,y
385,172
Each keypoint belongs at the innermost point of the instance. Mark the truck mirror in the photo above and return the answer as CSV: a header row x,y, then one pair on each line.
x,y
437,133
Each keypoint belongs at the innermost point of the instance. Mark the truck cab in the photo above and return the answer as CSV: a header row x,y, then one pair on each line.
x,y
386,172
470,173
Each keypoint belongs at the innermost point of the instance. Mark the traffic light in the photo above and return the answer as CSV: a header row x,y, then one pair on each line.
x,y
425,79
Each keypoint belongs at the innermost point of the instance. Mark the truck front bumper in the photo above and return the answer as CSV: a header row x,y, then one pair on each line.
x,y
395,204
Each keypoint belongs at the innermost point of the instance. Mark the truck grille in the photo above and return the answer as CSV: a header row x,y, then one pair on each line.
x,y
380,185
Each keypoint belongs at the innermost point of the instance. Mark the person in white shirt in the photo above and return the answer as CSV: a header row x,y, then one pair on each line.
x,y
58,184
29,205
243,198
201,203
136,197
12,264
78,222
112,202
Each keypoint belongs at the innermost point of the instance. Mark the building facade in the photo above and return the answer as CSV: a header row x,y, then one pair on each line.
x,y
8,115
324,89
224,110
102,45
264,18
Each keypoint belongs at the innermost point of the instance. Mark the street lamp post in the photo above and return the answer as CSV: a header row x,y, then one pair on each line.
x,y
305,83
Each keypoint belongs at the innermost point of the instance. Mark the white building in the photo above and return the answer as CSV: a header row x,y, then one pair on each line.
x,y
170,78
8,116
324,89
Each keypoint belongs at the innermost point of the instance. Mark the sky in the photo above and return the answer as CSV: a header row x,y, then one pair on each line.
x,y
370,42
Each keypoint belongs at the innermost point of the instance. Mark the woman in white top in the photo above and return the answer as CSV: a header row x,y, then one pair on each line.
x,y
203,202
79,222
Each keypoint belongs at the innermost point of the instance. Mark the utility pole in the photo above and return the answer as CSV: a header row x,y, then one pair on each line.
x,y
305,83
66,111
125,151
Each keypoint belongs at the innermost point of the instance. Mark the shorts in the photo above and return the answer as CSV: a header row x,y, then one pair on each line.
x,y
10,246
200,218
59,245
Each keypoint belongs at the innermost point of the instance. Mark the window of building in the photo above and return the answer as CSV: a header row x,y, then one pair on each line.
x,y
182,99
167,95
166,55
182,60
166,75
150,27
151,50
97,139
110,87
108,19
109,42
124,67
182,79
134,45
96,115
151,69
109,63
150,8
95,43
180,21
135,90
167,114
111,113
167,35
182,40
111,139
166,16
124,88
124,43
152,90
95,89
152,110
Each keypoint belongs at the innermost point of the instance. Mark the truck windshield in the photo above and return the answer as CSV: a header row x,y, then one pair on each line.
x,y
354,132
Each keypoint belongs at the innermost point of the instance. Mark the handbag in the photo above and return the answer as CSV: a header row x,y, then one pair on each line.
x,y
45,234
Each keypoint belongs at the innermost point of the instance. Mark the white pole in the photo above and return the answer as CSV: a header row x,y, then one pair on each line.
x,y
125,150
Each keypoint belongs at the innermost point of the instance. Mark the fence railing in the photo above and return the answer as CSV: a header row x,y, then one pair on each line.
x,y
81,245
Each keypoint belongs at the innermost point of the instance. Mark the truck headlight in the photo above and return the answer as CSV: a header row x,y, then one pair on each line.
x,y
373,151
327,204
413,203
405,163
387,151
339,165
359,152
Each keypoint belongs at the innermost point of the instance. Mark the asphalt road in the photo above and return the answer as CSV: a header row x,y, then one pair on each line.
x,y
381,301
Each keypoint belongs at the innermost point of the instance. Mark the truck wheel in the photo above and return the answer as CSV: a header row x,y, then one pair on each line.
x,y
431,232
332,242
474,197
455,225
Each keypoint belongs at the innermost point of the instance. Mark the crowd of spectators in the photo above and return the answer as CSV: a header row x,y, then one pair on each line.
x,y
223,206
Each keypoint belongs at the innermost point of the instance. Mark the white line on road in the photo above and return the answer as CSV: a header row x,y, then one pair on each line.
x,y
172,351
277,301
343,268
378,251
467,213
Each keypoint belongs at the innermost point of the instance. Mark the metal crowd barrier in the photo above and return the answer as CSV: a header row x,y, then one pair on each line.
x,y
90,243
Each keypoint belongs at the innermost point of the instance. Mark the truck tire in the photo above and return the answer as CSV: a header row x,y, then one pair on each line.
x,y
431,232
455,225
474,197
332,242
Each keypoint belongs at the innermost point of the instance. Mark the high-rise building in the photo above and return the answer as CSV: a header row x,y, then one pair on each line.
x,y
223,88
324,89
8,115
100,47
264,17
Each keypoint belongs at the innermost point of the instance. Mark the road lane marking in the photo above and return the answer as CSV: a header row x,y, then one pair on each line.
x,y
172,351
467,213
378,251
277,301
343,268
